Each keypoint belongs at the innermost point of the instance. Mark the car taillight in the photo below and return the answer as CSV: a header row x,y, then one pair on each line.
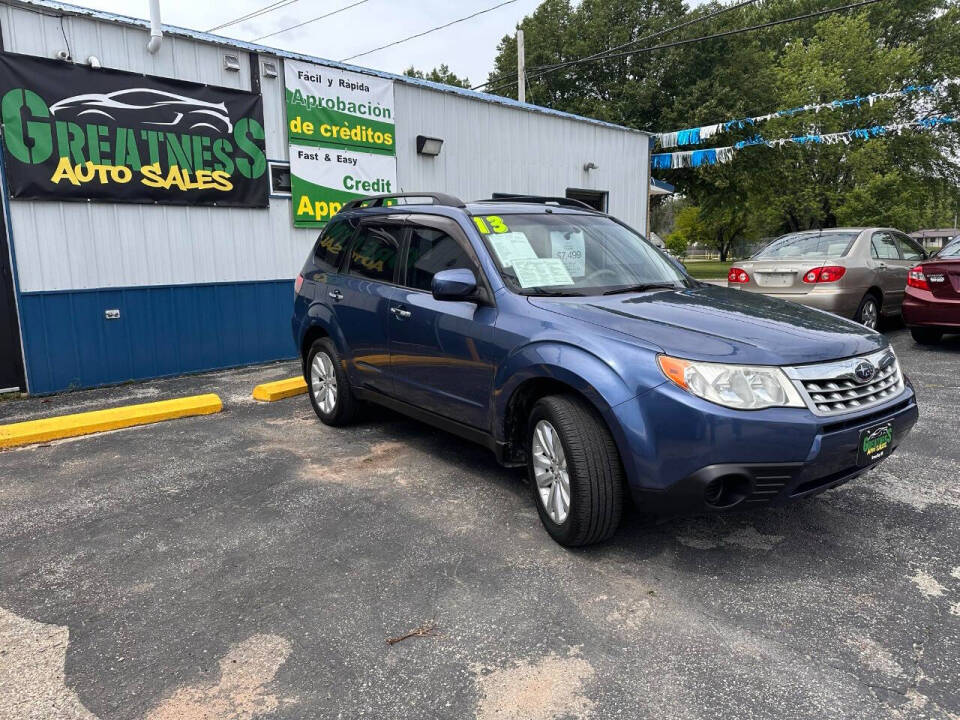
x,y
916,279
736,275
297,284
825,274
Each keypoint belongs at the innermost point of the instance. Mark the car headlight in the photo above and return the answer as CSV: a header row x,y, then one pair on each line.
x,y
743,387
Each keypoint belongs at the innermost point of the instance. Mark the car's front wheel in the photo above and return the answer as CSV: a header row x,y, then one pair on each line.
x,y
328,386
575,471
926,336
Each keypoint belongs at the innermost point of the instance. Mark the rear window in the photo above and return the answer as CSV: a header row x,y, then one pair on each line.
x,y
950,251
826,244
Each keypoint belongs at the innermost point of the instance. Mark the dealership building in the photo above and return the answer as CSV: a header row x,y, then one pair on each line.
x,y
162,187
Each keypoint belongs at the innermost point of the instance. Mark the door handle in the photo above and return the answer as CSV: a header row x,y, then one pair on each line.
x,y
336,295
400,314
882,266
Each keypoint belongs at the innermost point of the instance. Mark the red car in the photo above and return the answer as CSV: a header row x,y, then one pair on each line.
x,y
931,306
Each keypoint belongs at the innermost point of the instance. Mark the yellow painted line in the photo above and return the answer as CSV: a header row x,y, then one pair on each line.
x,y
64,426
279,390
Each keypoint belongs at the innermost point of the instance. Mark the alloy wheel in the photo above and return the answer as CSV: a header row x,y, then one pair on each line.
x,y
323,380
550,472
870,315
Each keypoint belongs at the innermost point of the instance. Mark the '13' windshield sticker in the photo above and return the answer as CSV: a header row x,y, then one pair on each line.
x,y
491,224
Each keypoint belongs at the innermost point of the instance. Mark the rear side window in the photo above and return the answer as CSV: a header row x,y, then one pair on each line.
x,y
910,250
430,252
884,247
374,253
331,244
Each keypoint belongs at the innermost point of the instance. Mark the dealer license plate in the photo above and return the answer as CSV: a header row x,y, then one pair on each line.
x,y
875,444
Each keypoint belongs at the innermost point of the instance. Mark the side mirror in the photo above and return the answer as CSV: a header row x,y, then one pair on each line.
x,y
456,284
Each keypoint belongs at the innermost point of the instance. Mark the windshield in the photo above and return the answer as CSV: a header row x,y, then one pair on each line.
x,y
825,244
572,254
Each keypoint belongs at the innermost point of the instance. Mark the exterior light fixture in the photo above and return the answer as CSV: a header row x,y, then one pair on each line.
x,y
231,63
590,166
428,145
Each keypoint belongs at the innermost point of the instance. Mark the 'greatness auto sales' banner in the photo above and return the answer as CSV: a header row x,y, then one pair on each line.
x,y
72,132
342,137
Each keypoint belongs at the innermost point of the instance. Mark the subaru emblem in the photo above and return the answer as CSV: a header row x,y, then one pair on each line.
x,y
865,371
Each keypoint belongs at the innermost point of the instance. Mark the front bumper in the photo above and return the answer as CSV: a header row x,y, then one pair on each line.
x,y
774,455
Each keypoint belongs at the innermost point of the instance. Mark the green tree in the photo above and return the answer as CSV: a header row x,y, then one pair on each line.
x,y
906,180
440,74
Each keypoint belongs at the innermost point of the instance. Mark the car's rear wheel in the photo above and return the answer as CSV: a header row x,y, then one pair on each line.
x,y
575,471
868,314
328,386
926,336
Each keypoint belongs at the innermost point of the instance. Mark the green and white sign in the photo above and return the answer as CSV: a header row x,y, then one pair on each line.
x,y
324,179
336,107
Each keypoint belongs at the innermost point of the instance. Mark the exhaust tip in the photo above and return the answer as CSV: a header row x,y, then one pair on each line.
x,y
726,491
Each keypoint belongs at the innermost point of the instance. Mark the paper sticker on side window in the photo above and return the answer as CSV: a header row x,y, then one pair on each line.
x,y
569,247
512,246
541,272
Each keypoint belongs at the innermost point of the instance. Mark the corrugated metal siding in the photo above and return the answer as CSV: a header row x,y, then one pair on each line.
x,y
488,148
118,46
161,331
63,246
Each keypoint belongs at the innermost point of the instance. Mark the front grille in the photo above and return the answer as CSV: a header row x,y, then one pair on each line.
x,y
835,388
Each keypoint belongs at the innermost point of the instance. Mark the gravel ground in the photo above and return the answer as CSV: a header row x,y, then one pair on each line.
x,y
253,564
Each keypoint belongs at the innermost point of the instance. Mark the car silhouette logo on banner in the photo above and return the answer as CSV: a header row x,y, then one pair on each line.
x,y
864,371
129,106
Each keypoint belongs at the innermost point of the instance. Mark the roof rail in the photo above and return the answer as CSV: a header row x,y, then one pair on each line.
x,y
380,200
540,200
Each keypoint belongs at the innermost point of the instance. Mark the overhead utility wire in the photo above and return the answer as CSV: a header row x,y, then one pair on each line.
x,y
433,29
645,38
307,22
726,33
657,34
255,13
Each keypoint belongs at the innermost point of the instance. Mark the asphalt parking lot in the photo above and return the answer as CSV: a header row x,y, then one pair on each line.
x,y
253,564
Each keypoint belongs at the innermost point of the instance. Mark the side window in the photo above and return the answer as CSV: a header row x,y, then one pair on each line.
x,y
909,249
430,252
331,244
884,247
374,253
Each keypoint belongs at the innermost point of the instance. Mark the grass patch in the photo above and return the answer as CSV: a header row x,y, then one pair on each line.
x,y
708,269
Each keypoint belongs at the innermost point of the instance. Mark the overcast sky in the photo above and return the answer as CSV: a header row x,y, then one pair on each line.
x,y
469,48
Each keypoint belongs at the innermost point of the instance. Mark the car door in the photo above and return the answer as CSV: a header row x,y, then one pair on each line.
x,y
440,351
888,269
361,298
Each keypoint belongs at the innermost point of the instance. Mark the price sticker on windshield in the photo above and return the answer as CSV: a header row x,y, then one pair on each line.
x,y
491,224
570,249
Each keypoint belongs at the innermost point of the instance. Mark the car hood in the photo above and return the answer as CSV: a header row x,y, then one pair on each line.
x,y
716,324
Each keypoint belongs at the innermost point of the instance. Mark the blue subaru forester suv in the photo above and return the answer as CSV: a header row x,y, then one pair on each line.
x,y
562,340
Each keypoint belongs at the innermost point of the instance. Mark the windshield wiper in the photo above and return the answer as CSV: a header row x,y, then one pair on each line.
x,y
642,288
555,293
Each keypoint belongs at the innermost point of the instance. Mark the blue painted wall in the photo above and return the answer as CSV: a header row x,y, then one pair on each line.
x,y
167,330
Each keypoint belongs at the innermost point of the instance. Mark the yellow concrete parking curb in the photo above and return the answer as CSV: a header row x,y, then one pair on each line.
x,y
64,426
279,390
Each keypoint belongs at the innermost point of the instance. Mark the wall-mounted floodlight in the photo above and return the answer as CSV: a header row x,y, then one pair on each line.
x,y
231,63
428,145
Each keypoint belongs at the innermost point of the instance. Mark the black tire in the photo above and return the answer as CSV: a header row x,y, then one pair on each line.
x,y
863,311
345,407
926,336
596,477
